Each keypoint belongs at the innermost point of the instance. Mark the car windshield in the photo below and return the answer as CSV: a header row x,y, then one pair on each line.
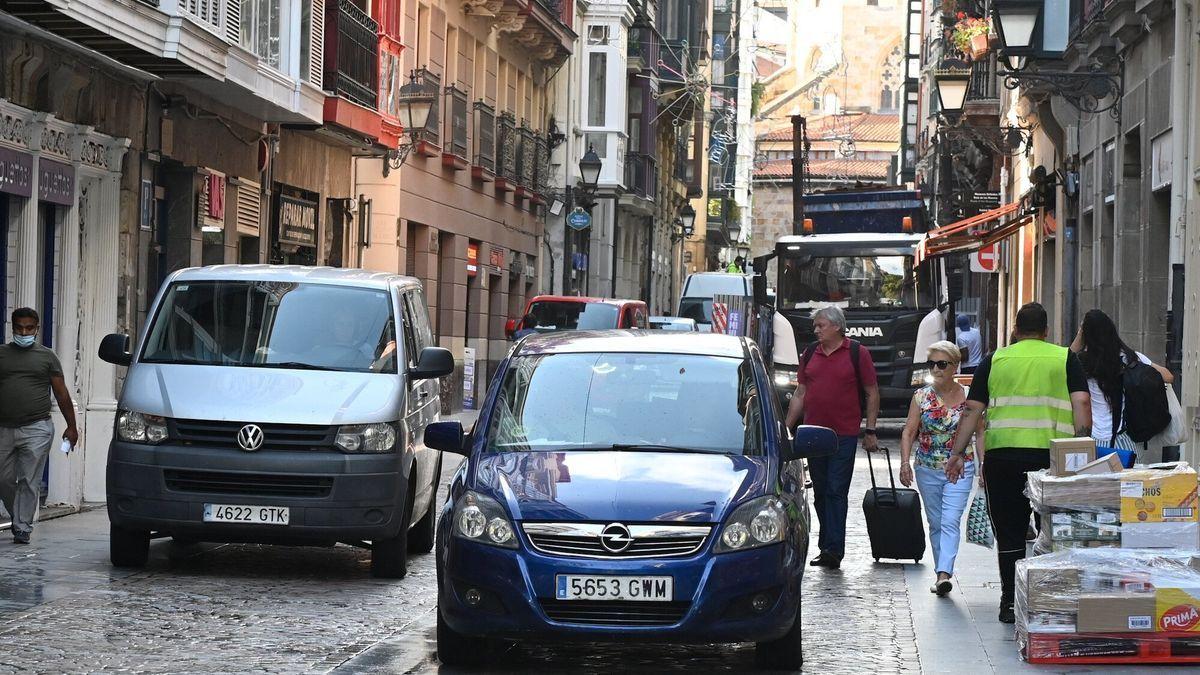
x,y
606,401
569,315
274,325
852,282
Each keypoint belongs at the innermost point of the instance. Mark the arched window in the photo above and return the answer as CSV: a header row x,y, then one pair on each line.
x,y
891,80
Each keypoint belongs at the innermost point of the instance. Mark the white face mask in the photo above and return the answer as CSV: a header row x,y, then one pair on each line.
x,y
25,341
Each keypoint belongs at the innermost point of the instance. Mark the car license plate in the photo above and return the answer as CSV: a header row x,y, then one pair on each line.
x,y
254,515
589,587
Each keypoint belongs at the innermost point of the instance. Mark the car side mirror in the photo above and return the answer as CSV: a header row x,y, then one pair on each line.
x,y
811,441
446,436
433,362
114,349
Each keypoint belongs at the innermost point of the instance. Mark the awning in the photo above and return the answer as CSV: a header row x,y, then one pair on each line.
x,y
972,233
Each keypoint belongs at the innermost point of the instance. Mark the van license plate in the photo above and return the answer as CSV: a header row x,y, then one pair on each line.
x,y
579,587
254,515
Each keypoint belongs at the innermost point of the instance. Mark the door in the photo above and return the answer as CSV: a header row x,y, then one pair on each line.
x,y
421,405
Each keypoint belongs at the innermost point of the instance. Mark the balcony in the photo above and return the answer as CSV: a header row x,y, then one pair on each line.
x,y
484,163
351,54
506,153
454,155
542,28
641,175
643,50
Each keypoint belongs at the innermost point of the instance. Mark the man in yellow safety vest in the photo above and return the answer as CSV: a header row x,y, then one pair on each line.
x,y
1033,392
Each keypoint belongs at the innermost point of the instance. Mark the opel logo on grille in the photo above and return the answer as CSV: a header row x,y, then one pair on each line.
x,y
615,538
250,437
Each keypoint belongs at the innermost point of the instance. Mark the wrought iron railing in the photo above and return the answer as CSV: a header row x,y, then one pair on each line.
x,y
527,159
983,80
506,146
676,59
641,174
485,136
352,54
543,163
456,121
431,84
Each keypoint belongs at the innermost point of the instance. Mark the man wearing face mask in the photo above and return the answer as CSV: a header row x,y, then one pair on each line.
x,y
28,374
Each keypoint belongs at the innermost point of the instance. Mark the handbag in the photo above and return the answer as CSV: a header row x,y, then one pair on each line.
x,y
979,524
1176,431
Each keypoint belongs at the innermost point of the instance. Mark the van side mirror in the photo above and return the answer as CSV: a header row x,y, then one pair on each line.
x,y
446,436
433,362
809,442
114,349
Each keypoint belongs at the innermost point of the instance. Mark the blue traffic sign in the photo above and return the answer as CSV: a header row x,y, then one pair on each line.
x,y
579,219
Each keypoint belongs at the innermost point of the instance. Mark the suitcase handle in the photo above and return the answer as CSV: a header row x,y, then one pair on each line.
x,y
871,467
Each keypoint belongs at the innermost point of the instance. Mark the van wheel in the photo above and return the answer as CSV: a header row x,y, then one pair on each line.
x,y
455,649
421,536
389,557
128,548
786,653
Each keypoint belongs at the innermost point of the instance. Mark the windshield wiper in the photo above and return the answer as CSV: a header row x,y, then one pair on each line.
x,y
654,447
297,365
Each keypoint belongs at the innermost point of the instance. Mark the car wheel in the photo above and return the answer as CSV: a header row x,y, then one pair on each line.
x,y
456,649
786,653
389,557
422,535
128,548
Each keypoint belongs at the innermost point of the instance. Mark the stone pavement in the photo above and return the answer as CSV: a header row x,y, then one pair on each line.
x,y
245,608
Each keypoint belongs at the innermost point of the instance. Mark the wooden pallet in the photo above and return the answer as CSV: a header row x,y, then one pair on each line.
x,y
1082,648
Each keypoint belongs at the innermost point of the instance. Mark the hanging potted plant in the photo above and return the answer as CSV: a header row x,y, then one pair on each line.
x,y
970,35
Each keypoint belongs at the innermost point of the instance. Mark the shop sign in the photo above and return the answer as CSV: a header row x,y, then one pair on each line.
x,y
297,221
56,182
472,259
1161,162
469,378
984,201
579,219
16,173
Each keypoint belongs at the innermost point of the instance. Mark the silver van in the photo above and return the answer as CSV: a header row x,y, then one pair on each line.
x,y
279,405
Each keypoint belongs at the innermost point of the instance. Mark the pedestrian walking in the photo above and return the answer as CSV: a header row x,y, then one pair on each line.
x,y
528,326
1105,357
1033,392
28,374
933,417
836,386
970,341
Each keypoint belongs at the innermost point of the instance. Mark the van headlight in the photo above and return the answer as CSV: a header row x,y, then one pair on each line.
x,y
921,376
482,519
136,427
759,522
366,438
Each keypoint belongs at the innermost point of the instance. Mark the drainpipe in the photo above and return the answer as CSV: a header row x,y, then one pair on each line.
x,y
1064,249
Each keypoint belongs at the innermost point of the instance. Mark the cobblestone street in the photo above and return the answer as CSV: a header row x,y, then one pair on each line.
x,y
242,608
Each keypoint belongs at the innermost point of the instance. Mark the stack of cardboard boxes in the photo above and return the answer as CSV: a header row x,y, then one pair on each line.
x,y
1117,553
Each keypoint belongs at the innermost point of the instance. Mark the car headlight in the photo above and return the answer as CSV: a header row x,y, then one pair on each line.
x,y
921,376
786,378
759,522
482,519
136,427
366,438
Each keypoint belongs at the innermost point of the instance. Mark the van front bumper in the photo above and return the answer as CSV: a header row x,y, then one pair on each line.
x,y
330,496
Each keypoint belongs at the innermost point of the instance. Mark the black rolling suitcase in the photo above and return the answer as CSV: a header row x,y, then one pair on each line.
x,y
893,518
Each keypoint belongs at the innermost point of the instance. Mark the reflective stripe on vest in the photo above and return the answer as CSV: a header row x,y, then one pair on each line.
x,y
1030,404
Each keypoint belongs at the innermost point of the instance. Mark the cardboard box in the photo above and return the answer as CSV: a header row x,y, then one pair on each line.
x,y
1107,464
1067,455
1117,613
1171,498
1177,609
1177,536
1090,492
1052,590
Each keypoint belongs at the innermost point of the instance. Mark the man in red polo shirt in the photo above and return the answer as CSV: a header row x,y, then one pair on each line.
x,y
827,395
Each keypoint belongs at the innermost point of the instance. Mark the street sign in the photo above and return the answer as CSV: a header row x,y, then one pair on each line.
x,y
579,219
986,259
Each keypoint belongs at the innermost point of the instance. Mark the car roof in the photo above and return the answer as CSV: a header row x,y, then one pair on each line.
x,y
296,274
583,299
634,341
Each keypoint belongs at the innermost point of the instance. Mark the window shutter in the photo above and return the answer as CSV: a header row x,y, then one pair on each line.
x,y
233,21
249,207
316,44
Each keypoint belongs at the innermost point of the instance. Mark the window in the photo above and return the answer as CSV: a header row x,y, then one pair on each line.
x,y
598,34
1087,183
1110,171
261,34
597,84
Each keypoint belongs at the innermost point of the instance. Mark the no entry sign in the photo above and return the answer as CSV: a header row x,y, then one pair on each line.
x,y
986,259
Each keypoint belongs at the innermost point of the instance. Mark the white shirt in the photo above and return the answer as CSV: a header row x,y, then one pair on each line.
x,y
1102,417
972,343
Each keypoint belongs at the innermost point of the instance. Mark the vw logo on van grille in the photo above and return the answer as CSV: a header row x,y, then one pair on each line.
x,y
615,538
250,437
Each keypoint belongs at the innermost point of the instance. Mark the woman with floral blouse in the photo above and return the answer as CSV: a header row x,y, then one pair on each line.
x,y
932,423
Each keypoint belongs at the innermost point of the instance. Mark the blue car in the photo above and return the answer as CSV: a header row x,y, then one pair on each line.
x,y
626,485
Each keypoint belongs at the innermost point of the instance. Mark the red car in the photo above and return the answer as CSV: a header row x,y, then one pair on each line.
x,y
569,312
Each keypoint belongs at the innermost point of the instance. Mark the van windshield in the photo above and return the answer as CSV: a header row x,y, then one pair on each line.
x,y
266,324
708,285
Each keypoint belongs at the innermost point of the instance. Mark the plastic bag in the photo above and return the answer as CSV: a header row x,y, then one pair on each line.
x,y
979,523
1176,432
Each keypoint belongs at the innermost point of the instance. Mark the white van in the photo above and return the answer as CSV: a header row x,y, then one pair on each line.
x,y
698,291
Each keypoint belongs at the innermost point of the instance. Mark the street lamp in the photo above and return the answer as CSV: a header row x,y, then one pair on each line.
x,y
589,169
1016,21
414,104
687,219
952,79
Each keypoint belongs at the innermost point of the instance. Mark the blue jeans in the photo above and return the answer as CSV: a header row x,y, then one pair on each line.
x,y
945,503
831,494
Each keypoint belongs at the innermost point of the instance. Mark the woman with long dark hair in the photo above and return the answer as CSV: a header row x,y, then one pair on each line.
x,y
1104,356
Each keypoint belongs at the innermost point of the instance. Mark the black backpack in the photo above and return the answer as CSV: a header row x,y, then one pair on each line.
x,y
1145,411
855,347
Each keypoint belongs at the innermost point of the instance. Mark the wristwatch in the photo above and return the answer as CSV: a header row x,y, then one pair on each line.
x,y
869,432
